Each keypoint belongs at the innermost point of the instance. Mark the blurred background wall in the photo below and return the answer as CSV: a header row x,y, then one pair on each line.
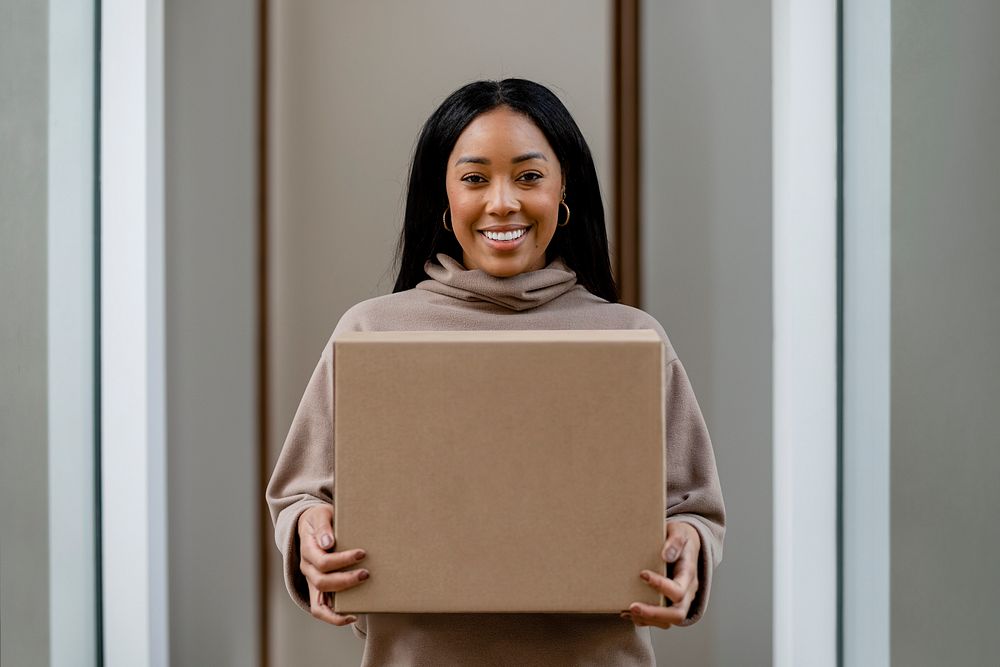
x,y
24,590
48,537
211,194
945,444
350,87
706,276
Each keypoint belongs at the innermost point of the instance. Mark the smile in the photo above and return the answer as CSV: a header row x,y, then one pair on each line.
x,y
506,236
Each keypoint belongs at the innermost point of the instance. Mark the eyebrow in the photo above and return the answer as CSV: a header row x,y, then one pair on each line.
x,y
533,155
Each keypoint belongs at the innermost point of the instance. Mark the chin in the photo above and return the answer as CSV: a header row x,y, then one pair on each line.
x,y
504,268
502,272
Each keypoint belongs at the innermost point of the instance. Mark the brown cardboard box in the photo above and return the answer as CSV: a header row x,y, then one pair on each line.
x,y
500,471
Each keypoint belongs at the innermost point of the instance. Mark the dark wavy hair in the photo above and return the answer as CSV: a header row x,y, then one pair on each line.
x,y
582,244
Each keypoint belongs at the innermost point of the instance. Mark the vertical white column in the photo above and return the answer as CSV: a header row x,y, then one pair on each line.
x,y
867,93
133,461
805,332
71,454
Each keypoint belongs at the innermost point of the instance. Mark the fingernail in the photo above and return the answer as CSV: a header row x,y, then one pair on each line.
x,y
635,609
671,553
325,541
645,576
359,555
364,574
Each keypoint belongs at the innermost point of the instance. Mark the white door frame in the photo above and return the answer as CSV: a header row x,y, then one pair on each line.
x,y
804,62
133,377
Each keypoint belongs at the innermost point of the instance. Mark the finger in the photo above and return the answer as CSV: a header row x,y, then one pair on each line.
x,y
338,560
667,587
339,581
661,617
635,619
677,539
309,550
686,570
320,610
332,581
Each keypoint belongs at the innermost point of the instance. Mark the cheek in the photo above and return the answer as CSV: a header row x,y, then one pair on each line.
x,y
464,207
545,209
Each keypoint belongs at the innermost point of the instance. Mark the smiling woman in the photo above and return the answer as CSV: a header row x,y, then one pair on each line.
x,y
488,244
505,185
500,156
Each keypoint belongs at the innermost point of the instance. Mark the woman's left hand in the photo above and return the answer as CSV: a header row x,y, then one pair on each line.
x,y
682,547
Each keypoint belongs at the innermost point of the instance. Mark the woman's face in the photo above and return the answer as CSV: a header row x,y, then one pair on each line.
x,y
503,180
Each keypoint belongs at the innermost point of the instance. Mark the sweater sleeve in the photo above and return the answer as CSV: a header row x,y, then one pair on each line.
x,y
303,475
693,491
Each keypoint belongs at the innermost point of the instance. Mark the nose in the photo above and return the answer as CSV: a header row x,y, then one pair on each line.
x,y
501,199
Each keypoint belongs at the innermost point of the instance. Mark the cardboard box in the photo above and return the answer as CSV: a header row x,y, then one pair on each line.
x,y
500,471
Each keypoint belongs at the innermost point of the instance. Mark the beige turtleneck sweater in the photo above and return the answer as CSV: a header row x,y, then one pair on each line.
x,y
454,298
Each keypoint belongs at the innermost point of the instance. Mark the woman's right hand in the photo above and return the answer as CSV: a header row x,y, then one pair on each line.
x,y
319,564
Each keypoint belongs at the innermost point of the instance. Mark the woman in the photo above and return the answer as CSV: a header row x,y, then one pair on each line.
x,y
504,229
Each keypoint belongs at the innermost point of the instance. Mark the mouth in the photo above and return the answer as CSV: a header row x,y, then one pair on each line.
x,y
505,240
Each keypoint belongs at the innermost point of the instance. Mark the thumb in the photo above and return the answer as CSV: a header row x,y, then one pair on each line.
x,y
320,526
675,542
326,539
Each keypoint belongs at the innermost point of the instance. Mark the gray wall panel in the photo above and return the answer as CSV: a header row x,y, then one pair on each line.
x,y
945,329
706,253
214,499
24,548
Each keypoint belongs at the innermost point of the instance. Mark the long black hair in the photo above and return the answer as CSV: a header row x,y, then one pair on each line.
x,y
582,244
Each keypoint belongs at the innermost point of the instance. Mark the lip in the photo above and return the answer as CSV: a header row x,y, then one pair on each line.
x,y
503,228
504,245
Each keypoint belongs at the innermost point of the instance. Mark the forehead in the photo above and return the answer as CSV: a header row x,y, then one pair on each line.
x,y
500,132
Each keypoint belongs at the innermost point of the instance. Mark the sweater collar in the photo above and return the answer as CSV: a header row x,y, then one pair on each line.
x,y
521,292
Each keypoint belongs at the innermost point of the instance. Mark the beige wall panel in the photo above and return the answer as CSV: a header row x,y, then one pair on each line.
x,y
351,83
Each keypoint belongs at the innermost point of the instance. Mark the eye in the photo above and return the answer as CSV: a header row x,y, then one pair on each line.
x,y
530,176
473,178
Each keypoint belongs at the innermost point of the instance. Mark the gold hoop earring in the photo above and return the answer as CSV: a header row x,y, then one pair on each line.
x,y
444,219
566,221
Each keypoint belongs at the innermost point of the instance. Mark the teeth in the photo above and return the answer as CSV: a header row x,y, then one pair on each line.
x,y
505,236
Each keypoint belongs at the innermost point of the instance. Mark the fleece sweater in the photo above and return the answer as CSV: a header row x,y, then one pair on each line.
x,y
454,298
